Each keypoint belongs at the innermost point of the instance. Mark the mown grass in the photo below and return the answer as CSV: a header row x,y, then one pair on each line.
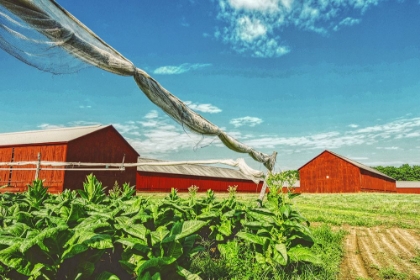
x,y
362,209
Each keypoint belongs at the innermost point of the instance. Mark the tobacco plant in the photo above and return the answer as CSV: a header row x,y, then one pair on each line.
x,y
89,235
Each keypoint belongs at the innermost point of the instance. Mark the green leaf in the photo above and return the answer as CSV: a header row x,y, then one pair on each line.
x,y
252,238
157,263
225,228
10,240
107,276
285,210
187,274
303,254
207,215
159,235
281,258
17,229
87,269
175,250
36,271
190,227
189,242
266,218
260,258
74,250
137,230
39,238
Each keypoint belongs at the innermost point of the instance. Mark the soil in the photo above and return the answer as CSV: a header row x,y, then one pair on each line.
x,y
381,253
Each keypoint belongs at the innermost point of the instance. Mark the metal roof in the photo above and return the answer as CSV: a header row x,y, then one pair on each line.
x,y
408,184
192,170
56,135
358,164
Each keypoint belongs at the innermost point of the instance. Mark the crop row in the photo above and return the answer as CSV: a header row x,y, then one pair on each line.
x,y
87,234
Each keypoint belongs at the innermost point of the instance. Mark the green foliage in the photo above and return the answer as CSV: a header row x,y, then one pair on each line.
x,y
86,234
403,173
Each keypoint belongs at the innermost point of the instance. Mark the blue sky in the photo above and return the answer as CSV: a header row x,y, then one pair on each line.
x,y
296,77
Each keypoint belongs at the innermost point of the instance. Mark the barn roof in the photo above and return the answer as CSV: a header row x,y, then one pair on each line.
x,y
191,170
358,164
57,135
408,184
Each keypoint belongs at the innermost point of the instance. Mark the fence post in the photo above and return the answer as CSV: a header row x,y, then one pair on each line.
x,y
38,166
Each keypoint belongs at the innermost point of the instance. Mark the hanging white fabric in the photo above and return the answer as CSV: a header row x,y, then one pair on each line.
x,y
240,163
41,33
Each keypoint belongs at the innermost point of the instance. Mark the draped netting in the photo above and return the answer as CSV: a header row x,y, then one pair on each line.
x,y
44,35
240,163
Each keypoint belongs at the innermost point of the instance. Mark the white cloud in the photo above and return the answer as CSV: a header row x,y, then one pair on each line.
x,y
392,131
254,5
82,123
50,126
205,108
174,70
69,124
152,115
253,26
353,125
249,121
348,21
158,135
388,148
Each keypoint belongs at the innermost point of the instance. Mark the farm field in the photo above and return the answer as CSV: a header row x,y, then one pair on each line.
x,y
382,238
383,232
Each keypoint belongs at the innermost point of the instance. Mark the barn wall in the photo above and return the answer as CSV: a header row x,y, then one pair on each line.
x,y
19,179
408,190
104,146
150,181
372,182
329,174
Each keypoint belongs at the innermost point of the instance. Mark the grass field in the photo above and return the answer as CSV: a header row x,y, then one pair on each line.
x,y
360,236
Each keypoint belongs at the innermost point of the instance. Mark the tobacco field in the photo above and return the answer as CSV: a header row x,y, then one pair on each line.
x,y
88,234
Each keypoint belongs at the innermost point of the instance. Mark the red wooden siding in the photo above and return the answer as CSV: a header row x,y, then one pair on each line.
x,y
151,181
371,182
21,178
408,190
103,146
330,173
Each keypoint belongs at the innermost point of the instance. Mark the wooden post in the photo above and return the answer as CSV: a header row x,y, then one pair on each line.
x,y
38,166
264,186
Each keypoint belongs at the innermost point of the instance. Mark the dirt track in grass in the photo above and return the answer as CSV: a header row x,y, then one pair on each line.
x,y
381,253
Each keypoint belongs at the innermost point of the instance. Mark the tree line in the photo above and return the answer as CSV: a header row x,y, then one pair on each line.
x,y
403,173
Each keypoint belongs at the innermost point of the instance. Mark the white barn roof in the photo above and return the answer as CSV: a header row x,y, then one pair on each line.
x,y
408,184
192,170
57,135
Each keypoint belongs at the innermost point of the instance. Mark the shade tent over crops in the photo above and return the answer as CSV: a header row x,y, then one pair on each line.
x,y
44,35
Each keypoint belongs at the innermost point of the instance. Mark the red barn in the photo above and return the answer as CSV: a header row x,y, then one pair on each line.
x,y
92,144
181,177
331,173
408,187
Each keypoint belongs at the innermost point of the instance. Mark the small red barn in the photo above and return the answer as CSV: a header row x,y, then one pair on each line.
x,y
181,177
331,173
408,187
91,144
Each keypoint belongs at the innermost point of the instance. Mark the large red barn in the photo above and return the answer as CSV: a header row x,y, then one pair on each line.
x,y
92,144
181,177
332,173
